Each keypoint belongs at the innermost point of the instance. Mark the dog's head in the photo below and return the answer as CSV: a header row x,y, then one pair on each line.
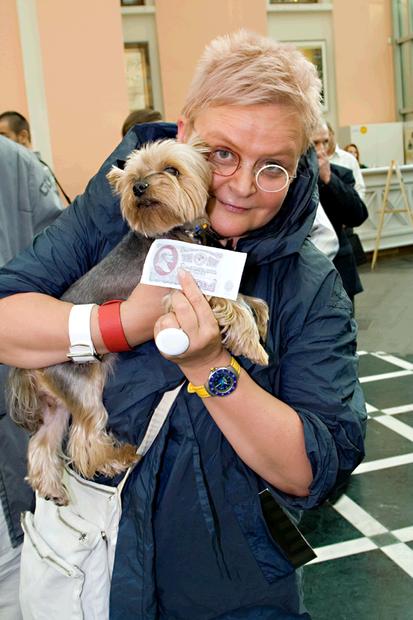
x,y
163,185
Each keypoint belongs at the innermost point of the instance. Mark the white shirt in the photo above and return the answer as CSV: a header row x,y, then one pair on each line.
x,y
347,160
323,235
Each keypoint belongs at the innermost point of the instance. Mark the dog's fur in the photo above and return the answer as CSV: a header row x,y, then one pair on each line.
x,y
175,178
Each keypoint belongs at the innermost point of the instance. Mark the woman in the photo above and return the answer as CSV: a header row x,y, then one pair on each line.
x,y
193,542
353,150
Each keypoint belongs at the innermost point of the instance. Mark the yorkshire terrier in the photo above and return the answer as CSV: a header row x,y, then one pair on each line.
x,y
163,190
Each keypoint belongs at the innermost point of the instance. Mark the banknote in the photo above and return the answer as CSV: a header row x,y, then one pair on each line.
x,y
217,271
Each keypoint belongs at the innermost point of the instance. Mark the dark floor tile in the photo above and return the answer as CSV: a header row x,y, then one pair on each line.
x,y
381,540
385,494
389,392
370,365
381,442
363,324
407,417
325,526
367,586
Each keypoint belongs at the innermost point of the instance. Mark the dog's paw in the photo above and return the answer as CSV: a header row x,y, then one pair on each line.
x,y
117,459
251,349
53,490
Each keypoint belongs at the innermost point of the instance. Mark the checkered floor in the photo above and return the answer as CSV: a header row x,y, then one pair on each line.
x,y
364,541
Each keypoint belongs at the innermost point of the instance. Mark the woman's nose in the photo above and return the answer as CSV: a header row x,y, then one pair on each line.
x,y
243,181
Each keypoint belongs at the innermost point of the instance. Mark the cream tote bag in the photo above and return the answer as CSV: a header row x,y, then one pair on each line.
x,y
68,551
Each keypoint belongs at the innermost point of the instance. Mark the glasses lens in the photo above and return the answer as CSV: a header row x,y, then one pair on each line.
x,y
224,162
272,178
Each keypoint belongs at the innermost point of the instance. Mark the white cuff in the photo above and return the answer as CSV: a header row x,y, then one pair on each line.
x,y
81,345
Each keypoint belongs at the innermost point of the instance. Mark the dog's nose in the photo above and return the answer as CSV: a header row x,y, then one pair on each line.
x,y
140,188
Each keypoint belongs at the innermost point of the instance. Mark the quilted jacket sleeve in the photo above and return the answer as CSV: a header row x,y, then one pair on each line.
x,y
318,378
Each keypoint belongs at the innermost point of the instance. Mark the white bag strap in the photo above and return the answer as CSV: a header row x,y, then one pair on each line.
x,y
157,420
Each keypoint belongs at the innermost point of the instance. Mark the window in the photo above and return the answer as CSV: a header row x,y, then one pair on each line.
x,y
132,2
315,52
138,75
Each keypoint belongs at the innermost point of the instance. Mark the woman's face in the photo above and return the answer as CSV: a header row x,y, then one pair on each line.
x,y
269,133
353,151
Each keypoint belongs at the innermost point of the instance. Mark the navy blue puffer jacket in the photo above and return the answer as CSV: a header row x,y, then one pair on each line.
x,y
193,544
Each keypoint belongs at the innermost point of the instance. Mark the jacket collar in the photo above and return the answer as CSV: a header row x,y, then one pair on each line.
x,y
282,236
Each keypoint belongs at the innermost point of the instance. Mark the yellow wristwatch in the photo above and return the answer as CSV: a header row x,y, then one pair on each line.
x,y
221,381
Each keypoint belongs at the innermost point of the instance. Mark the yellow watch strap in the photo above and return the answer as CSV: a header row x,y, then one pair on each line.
x,y
201,390
198,389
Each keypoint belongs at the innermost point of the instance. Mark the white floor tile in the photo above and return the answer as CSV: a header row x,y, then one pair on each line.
x,y
358,517
386,375
343,549
391,461
396,425
402,555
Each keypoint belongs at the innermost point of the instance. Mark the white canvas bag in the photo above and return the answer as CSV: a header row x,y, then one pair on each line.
x,y
68,551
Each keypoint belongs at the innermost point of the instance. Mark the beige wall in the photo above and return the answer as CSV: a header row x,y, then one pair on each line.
x,y
74,89
185,26
364,62
84,76
12,91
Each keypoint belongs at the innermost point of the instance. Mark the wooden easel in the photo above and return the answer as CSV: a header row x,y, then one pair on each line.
x,y
385,209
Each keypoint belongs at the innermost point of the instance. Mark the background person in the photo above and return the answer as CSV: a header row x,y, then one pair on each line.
x,y
15,126
137,117
340,157
343,207
193,542
27,204
353,150
25,209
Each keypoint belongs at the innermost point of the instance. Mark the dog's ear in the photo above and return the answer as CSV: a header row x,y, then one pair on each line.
x,y
114,176
199,144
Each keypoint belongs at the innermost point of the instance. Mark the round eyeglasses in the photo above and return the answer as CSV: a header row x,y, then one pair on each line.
x,y
268,177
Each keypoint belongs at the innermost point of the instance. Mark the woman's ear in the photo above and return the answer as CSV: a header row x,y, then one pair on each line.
x,y
182,127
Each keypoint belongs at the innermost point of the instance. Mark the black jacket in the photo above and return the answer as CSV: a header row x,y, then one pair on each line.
x,y
345,209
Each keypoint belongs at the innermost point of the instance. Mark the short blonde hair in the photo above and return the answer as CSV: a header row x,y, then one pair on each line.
x,y
244,68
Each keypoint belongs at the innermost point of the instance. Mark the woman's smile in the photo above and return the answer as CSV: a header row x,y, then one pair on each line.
x,y
231,207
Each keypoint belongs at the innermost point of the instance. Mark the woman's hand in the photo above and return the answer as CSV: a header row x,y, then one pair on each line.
x,y
191,312
324,167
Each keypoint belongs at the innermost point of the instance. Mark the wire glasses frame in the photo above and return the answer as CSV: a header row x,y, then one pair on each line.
x,y
268,177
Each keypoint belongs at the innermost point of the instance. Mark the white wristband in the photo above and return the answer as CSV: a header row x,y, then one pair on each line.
x,y
81,345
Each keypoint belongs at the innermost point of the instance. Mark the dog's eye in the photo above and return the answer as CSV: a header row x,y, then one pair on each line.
x,y
172,170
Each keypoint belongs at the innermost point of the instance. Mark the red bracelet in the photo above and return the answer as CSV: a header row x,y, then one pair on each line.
x,y
111,328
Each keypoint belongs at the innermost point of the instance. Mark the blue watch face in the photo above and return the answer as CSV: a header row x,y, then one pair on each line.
x,y
222,382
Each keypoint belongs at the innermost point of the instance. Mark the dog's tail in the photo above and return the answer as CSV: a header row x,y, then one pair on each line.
x,y
24,400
